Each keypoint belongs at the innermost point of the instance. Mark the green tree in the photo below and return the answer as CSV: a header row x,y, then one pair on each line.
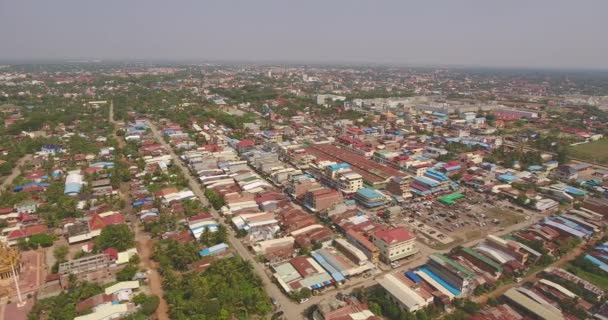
x,y
221,235
60,252
127,273
117,236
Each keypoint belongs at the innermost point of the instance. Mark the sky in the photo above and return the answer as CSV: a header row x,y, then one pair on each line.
x,y
490,33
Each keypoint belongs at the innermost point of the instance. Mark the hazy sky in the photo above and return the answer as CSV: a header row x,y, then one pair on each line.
x,y
525,33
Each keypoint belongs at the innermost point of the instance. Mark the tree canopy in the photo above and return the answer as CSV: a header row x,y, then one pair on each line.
x,y
117,236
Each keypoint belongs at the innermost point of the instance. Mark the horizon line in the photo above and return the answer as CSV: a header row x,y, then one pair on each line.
x,y
289,62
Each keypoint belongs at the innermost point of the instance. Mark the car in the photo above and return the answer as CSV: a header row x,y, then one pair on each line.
x,y
304,300
274,301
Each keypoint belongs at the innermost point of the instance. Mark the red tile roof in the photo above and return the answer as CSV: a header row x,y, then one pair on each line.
x,y
395,235
246,143
28,231
112,253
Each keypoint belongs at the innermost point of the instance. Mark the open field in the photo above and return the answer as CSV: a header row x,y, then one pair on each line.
x,y
507,217
596,151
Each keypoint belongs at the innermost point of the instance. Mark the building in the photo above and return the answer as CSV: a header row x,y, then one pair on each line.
x,y
302,272
395,244
321,199
347,309
515,114
364,244
321,99
529,303
108,311
373,173
400,187
397,289
96,268
26,206
451,272
9,259
370,198
596,205
344,178
73,183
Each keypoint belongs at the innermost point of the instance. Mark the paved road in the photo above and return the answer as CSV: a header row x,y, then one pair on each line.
x,y
16,171
291,309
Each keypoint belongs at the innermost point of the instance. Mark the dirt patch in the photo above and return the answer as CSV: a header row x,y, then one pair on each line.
x,y
145,248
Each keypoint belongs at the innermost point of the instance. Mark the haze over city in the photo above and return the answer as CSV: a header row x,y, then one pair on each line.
x,y
539,34
303,160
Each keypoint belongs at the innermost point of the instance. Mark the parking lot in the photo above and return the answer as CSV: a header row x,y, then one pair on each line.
x,y
470,218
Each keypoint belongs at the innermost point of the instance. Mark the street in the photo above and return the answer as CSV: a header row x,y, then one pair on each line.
x,y
16,171
291,309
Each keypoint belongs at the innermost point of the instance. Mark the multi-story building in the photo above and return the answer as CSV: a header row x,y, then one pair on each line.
x,y
362,243
395,244
300,184
321,199
370,198
400,186
97,268
343,178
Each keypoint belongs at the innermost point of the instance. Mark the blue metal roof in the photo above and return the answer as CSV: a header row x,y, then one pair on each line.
x,y
339,166
72,188
440,280
213,249
436,175
412,276
337,275
369,193
565,228
427,181
571,224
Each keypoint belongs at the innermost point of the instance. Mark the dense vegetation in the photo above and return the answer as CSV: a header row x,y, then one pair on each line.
x,y
228,289
173,255
214,198
117,236
63,306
